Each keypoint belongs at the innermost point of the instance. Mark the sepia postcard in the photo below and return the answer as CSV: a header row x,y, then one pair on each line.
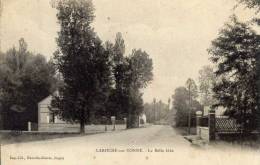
x,y
118,82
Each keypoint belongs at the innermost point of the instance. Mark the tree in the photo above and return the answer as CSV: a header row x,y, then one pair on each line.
x,y
119,49
181,99
25,79
156,111
192,88
141,66
83,62
251,3
138,76
130,75
193,94
148,111
118,99
234,52
207,79
256,4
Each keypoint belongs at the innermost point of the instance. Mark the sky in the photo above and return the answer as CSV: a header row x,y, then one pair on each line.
x,y
175,33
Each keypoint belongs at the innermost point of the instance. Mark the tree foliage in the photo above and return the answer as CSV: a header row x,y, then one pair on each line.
x,y
130,74
141,67
99,80
156,111
139,75
181,104
251,3
234,52
207,79
117,101
256,5
25,79
192,88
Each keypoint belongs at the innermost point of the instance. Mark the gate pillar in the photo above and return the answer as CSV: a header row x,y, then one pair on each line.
x,y
212,125
198,121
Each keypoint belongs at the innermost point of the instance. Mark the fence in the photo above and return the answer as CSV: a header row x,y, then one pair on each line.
x,y
90,128
226,125
211,127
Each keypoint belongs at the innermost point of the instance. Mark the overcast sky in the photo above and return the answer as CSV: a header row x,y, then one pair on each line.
x,y
176,33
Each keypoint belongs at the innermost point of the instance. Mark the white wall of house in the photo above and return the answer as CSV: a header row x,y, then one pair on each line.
x,y
46,120
44,112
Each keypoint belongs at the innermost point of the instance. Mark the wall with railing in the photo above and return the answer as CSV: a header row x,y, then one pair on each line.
x,y
211,127
76,128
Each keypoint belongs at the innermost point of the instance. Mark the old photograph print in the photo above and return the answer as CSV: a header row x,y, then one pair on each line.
x,y
123,82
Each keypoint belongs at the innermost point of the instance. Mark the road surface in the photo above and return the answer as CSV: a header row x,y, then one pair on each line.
x,y
151,145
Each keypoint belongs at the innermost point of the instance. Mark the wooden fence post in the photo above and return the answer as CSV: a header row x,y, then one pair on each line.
x,y
212,125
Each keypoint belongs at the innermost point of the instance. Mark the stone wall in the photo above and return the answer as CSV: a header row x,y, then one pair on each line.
x,y
203,133
206,133
75,128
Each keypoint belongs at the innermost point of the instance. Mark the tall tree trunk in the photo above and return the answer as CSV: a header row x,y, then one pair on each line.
x,y
82,121
132,121
129,121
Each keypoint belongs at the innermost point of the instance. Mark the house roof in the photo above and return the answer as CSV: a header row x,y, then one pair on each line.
x,y
46,100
